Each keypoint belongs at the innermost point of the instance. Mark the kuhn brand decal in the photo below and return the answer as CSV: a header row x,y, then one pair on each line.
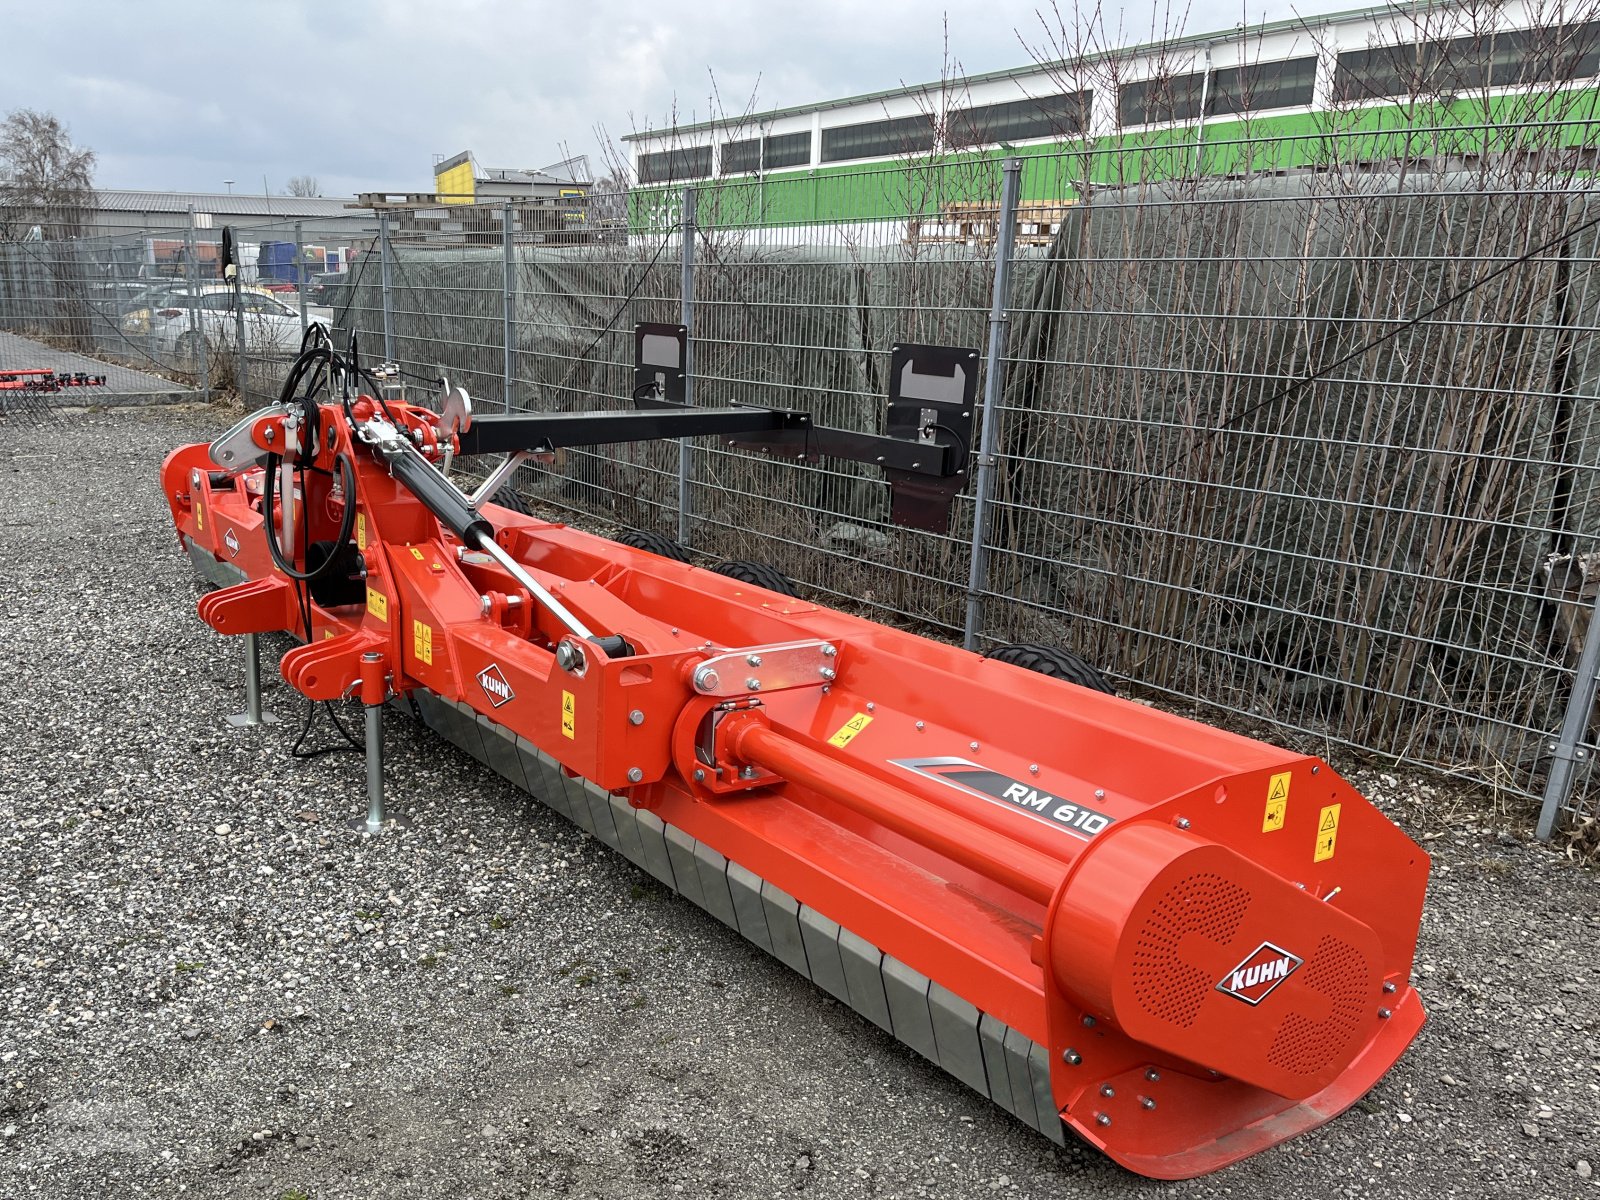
x,y
493,682
1012,793
231,541
1263,970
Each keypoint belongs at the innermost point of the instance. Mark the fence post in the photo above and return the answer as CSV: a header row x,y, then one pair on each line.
x,y
1567,750
196,321
686,319
384,256
993,389
509,290
300,272
241,359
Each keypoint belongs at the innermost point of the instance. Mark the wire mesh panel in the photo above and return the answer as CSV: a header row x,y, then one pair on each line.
x,y
1298,428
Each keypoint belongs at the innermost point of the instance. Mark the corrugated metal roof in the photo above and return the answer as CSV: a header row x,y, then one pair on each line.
x,y
236,204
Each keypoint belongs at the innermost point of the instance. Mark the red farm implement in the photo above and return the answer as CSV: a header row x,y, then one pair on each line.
x,y
1181,945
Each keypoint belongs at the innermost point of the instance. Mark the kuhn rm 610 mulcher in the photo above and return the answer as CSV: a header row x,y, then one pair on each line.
x,y
1182,945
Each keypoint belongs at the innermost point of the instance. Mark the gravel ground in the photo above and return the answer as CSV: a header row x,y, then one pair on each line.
x,y
211,988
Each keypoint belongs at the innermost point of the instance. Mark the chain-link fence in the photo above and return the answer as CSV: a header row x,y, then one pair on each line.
x,y
1313,445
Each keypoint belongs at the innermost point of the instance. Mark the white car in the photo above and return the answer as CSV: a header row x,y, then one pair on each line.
x,y
179,318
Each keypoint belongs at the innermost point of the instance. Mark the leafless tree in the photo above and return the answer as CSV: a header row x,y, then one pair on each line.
x,y
303,185
45,181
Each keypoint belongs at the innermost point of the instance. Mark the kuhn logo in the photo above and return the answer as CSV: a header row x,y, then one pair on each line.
x,y
231,541
494,685
1254,979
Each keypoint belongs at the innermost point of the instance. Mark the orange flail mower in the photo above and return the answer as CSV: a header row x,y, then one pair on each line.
x,y
1181,945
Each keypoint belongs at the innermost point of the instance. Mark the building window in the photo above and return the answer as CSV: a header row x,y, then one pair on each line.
x,y
789,150
1161,100
693,162
1259,86
781,150
878,139
1017,120
1514,58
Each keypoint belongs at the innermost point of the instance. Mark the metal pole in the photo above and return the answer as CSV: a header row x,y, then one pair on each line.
x,y
993,388
685,453
241,366
196,321
300,272
509,290
1567,750
252,714
384,256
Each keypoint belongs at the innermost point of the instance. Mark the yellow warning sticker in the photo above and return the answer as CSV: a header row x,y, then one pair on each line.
x,y
378,604
1277,803
847,731
416,554
361,531
569,715
199,515
1327,832
422,641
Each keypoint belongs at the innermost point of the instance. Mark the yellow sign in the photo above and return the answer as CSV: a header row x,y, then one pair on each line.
x,y
1327,832
378,604
199,516
416,554
1277,803
361,531
847,731
569,715
422,641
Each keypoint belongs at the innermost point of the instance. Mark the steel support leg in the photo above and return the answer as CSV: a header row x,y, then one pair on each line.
x,y
252,714
376,818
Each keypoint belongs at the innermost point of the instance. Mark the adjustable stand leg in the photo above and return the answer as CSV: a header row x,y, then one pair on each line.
x,y
375,819
252,714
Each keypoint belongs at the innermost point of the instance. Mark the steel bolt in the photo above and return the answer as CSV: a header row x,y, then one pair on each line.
x,y
1146,1102
754,660
1182,822
1107,1090
1316,770
635,775
484,606
1071,1057
1099,793
828,651
1033,768
1389,987
828,673
1385,1013
636,717
706,679
699,775
871,706
752,684
1153,1075
569,657
920,726
747,772
1101,1119
1088,1021
972,745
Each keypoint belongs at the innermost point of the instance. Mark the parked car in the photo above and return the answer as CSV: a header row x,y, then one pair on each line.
x,y
178,318
331,289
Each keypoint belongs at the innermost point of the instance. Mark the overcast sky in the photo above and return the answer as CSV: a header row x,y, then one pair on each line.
x,y
363,94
